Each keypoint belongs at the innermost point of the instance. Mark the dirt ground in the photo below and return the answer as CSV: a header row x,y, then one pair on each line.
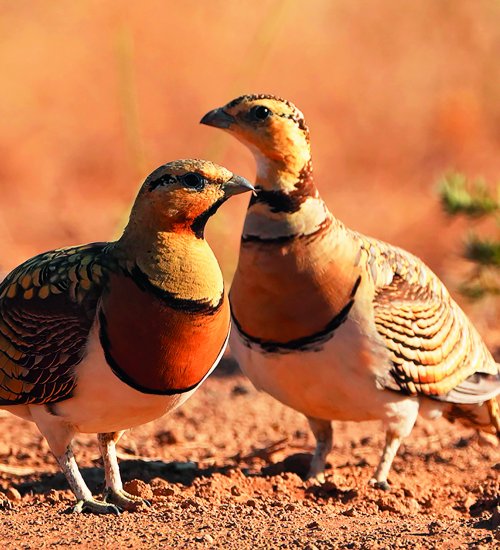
x,y
223,471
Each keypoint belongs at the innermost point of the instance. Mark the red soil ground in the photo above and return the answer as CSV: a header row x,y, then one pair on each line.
x,y
96,94
224,471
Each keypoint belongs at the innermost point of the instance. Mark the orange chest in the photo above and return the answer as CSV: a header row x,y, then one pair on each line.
x,y
283,294
160,345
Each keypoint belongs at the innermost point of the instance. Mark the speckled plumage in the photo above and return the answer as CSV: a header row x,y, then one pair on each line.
x,y
335,324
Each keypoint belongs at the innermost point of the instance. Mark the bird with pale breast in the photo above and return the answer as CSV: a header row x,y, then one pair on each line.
x,y
104,337
334,324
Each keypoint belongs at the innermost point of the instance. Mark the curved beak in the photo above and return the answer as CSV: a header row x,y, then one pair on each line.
x,y
237,185
218,118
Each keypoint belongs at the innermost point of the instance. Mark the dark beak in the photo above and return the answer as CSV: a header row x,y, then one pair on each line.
x,y
237,185
218,118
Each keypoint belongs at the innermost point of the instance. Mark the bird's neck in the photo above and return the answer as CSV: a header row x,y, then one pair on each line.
x,y
178,263
287,203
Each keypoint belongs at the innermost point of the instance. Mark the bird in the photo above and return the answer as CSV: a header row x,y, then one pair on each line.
x,y
103,337
335,324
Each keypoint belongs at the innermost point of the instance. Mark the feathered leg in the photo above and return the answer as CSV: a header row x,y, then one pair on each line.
x,y
392,444
322,430
401,418
114,491
59,435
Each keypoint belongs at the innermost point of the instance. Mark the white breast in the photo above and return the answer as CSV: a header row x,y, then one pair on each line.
x,y
336,383
103,403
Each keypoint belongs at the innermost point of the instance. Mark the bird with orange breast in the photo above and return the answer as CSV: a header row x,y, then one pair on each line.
x,y
103,337
337,325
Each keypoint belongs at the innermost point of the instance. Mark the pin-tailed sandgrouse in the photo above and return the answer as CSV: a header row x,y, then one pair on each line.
x,y
335,324
107,336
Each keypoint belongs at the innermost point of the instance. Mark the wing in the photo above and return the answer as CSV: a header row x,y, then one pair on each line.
x,y
433,347
47,307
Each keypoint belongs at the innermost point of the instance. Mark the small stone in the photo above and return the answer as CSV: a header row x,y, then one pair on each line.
x,y
138,488
239,389
413,506
235,491
166,437
313,525
162,491
408,492
290,507
250,502
349,512
435,527
13,494
52,497
208,538
189,502
469,502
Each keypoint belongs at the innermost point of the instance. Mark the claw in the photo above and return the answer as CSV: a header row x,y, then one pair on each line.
x,y
93,507
383,485
315,478
125,500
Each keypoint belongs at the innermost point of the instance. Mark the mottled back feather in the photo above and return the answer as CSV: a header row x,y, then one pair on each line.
x,y
47,308
433,347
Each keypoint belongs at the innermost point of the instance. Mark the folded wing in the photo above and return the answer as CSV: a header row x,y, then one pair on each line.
x,y
47,308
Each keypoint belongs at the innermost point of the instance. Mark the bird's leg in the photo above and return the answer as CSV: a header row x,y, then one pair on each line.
x,y
59,435
392,443
322,430
114,491
85,500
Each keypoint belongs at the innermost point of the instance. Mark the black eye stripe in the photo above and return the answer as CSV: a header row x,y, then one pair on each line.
x,y
166,179
191,180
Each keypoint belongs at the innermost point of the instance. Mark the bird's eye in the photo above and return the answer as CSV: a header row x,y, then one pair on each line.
x,y
260,112
194,180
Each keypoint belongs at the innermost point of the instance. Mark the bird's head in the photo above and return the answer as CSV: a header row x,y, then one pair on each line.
x,y
272,127
182,195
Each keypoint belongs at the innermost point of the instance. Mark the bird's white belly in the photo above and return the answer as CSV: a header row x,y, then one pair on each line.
x,y
103,403
338,382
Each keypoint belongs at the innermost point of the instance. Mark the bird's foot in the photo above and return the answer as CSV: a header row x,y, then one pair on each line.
x,y
92,506
125,500
383,485
314,478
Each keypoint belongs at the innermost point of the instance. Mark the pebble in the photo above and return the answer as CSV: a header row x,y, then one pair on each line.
x,y
167,437
162,491
138,488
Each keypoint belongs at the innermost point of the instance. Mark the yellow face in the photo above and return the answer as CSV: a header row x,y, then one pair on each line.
x,y
180,192
273,126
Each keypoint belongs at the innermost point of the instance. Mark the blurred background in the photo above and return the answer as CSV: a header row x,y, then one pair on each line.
x,y
95,95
